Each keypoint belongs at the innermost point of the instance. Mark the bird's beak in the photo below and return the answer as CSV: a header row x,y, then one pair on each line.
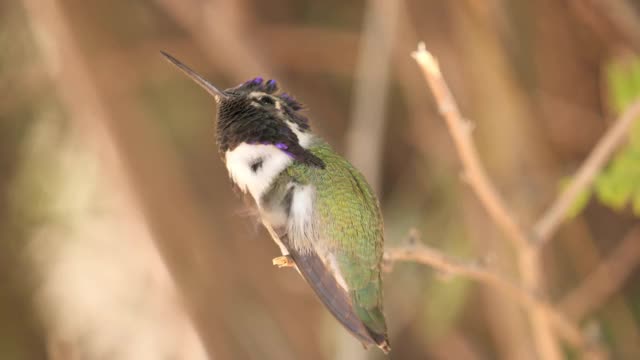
x,y
205,84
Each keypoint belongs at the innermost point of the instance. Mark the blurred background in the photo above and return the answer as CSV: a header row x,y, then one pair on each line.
x,y
121,237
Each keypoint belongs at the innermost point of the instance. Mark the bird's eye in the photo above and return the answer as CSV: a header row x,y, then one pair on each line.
x,y
266,100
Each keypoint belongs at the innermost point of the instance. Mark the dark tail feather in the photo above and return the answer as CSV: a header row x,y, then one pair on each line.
x,y
381,340
335,298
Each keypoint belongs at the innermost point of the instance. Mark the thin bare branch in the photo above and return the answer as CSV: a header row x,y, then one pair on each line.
x,y
529,262
606,279
460,130
428,256
608,144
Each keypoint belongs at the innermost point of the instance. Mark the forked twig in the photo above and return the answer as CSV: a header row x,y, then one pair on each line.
x,y
545,320
460,130
426,255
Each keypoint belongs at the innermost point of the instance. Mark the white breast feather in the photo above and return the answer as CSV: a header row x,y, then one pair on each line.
x,y
239,162
301,226
304,138
303,231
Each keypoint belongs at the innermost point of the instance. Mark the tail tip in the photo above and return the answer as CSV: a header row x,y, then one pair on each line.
x,y
385,346
382,342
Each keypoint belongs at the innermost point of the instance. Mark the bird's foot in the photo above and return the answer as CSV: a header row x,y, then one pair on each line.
x,y
283,261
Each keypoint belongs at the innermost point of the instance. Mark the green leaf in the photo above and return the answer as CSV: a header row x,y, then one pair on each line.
x,y
636,203
613,189
619,184
621,87
579,203
634,137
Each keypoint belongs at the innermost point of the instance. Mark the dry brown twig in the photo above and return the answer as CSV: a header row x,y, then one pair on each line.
x,y
419,253
528,258
597,159
461,131
581,301
547,320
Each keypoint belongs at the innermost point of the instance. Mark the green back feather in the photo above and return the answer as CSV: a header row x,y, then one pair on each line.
x,y
350,225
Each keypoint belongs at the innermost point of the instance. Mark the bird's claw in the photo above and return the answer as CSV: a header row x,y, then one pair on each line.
x,y
283,261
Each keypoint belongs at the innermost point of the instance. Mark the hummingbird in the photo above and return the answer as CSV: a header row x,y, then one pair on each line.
x,y
316,206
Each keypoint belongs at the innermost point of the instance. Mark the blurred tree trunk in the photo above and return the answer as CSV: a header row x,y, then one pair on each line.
x,y
101,276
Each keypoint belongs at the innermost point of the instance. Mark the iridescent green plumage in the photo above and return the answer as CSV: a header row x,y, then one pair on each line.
x,y
350,226
316,206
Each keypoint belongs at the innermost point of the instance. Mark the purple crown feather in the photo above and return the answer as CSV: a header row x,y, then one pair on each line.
x,y
268,87
271,86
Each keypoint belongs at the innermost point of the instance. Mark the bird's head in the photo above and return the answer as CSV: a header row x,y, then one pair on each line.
x,y
254,112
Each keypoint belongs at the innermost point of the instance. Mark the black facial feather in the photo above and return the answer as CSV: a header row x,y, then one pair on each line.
x,y
243,118
256,165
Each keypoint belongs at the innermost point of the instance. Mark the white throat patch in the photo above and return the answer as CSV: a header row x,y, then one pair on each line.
x,y
253,167
304,138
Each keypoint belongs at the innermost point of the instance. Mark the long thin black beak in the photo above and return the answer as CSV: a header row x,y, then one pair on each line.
x,y
205,84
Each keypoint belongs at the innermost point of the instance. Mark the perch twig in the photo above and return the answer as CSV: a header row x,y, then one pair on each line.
x,y
426,255
544,319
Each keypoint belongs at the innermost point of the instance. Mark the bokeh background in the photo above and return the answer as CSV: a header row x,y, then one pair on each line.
x,y
121,237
